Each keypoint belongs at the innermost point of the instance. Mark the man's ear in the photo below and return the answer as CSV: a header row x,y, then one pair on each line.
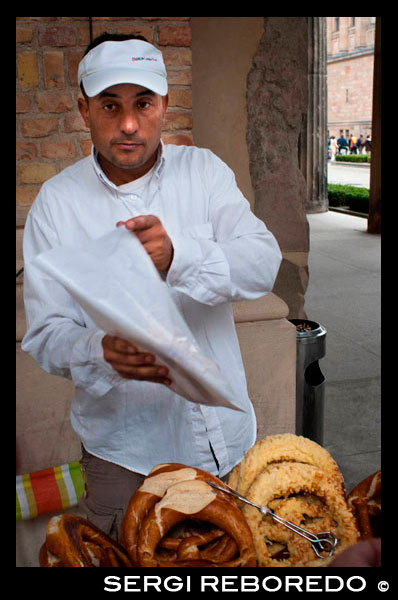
x,y
165,103
84,111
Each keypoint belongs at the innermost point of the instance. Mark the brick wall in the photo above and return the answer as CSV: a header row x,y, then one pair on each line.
x,y
350,85
50,131
350,50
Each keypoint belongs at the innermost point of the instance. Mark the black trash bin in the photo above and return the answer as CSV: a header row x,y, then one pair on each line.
x,y
310,382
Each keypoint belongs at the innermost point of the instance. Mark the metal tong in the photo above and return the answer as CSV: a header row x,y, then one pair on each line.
x,y
323,541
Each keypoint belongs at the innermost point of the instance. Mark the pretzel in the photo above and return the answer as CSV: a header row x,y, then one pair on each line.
x,y
174,495
282,447
365,501
72,541
306,496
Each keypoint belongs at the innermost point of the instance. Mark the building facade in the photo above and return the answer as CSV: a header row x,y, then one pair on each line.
x,y
350,57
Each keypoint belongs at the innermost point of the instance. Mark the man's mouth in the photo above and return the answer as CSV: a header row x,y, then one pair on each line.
x,y
127,145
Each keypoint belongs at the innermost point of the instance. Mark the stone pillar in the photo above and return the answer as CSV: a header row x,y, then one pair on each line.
x,y
277,101
314,164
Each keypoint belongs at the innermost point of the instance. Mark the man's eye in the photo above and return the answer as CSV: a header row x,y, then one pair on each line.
x,y
109,107
143,104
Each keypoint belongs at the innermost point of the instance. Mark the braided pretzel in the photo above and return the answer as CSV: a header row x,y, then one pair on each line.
x,y
171,495
72,541
365,501
306,496
278,448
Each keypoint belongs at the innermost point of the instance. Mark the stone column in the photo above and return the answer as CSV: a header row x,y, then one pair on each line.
x,y
277,101
314,163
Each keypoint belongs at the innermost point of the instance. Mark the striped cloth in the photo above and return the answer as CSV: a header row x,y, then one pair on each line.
x,y
49,490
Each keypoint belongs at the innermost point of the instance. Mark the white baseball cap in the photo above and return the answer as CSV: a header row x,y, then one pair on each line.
x,y
129,61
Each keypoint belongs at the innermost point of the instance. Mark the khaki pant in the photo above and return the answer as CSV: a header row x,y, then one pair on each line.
x,y
109,488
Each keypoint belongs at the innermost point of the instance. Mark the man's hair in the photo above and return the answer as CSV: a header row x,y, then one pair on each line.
x,y
109,37
112,37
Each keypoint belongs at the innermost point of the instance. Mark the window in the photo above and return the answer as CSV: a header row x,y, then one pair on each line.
x,y
337,23
352,21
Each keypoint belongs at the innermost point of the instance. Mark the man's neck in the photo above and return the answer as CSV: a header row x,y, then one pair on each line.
x,y
120,176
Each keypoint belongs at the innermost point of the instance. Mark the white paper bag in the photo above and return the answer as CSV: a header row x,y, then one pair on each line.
x,y
115,282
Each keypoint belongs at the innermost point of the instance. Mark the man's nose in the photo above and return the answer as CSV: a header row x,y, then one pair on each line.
x,y
128,122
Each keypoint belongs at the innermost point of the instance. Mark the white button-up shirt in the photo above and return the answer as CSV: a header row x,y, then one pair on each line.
x,y
222,253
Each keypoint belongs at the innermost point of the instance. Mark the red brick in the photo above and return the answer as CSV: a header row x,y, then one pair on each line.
x,y
53,61
23,34
26,195
74,123
37,172
57,149
38,127
178,120
182,139
56,102
136,29
73,58
174,57
23,103
57,36
182,76
26,150
85,146
35,18
174,36
27,70
180,97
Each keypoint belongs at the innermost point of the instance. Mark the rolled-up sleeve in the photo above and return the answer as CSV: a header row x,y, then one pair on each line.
x,y
231,257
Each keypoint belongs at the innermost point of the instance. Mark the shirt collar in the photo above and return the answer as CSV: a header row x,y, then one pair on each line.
x,y
159,166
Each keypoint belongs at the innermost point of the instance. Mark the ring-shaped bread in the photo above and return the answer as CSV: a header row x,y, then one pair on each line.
x,y
194,499
72,541
278,448
306,496
365,501
149,494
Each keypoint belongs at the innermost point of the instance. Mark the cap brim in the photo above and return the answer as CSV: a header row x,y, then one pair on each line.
x,y
96,83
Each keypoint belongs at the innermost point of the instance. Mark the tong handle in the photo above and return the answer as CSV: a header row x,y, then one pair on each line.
x,y
264,509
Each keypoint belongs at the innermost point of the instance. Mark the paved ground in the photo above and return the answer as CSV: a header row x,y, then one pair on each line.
x,y
357,175
344,296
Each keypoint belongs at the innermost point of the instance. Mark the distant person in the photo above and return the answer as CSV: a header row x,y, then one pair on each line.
x,y
360,144
342,144
333,147
368,144
353,144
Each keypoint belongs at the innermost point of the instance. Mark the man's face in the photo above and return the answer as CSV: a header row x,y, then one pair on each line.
x,y
126,122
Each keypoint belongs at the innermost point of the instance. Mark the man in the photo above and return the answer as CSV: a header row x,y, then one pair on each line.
x,y
185,208
342,143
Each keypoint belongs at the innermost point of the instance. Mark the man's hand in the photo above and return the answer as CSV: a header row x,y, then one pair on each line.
x,y
363,554
153,237
131,363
